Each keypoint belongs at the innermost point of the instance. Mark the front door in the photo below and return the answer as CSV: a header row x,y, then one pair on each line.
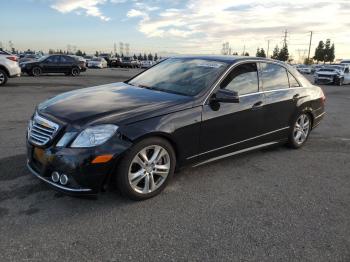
x,y
228,127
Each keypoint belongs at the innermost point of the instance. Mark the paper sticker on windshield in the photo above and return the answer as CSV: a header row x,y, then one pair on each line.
x,y
211,65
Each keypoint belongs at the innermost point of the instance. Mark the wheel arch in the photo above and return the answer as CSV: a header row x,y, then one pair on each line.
x,y
5,69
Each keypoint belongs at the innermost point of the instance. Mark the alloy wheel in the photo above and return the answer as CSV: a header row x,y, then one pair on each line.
x,y
149,169
301,129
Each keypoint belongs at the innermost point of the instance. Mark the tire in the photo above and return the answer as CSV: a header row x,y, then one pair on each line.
x,y
75,71
36,71
135,174
300,131
3,77
339,82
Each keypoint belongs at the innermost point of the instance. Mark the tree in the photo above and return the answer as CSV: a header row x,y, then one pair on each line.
x,y
96,53
140,57
283,54
135,57
155,57
275,53
145,57
79,53
327,51
319,52
257,52
262,53
332,54
234,53
308,61
150,57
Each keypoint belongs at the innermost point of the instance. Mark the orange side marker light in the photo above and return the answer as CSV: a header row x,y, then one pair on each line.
x,y
102,159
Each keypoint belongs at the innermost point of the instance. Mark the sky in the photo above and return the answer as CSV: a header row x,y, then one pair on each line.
x,y
176,26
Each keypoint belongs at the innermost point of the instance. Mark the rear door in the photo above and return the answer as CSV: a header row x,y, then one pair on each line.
x,y
228,125
280,98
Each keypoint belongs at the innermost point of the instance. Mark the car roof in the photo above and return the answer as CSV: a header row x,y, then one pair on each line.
x,y
227,58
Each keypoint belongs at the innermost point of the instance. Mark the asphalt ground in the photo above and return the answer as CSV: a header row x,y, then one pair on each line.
x,y
276,204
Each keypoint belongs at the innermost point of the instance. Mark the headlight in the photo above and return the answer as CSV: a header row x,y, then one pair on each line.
x,y
94,136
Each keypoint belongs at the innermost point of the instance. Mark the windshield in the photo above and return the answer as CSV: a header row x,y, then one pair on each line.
x,y
182,76
97,59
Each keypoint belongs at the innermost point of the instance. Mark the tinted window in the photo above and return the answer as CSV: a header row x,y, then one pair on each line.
x,y
53,59
292,81
243,79
67,59
274,76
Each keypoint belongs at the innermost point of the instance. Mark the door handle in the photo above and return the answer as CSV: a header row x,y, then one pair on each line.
x,y
296,96
258,105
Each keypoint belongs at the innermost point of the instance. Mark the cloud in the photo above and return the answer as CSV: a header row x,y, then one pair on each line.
x,y
206,23
90,7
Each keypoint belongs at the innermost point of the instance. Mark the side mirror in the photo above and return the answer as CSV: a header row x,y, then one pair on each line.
x,y
225,96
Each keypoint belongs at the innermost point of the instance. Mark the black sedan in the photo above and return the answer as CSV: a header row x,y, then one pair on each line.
x,y
64,64
183,111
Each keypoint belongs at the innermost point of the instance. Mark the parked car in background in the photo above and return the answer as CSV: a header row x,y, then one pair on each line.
x,y
98,62
29,57
127,62
64,64
146,64
8,67
88,58
304,69
82,62
345,61
315,68
333,74
184,111
106,57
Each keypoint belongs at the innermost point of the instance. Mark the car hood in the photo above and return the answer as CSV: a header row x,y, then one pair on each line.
x,y
112,103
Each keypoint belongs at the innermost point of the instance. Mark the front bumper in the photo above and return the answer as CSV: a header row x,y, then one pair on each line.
x,y
84,177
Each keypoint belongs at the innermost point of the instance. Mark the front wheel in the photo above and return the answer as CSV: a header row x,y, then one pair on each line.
x,y
300,131
75,71
146,169
3,77
36,71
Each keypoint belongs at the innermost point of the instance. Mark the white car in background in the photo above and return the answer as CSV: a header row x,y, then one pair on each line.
x,y
146,64
304,69
333,74
8,67
98,62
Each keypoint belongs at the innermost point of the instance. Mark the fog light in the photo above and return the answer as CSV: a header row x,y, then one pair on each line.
x,y
64,179
55,176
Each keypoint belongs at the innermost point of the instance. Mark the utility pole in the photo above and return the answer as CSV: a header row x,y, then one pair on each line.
x,y
285,38
268,48
244,50
308,57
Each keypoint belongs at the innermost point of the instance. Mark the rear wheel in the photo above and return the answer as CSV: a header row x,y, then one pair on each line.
x,y
300,131
146,169
3,77
36,71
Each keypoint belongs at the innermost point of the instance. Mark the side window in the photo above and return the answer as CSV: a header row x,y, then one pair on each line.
x,y
243,79
273,76
50,59
346,71
65,59
292,81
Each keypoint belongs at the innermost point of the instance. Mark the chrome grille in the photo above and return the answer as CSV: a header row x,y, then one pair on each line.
x,y
41,131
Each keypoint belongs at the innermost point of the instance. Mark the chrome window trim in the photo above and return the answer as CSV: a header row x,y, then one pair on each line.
x,y
259,77
239,142
235,153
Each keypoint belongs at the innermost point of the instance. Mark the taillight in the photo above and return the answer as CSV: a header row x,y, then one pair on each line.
x,y
12,58
323,97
